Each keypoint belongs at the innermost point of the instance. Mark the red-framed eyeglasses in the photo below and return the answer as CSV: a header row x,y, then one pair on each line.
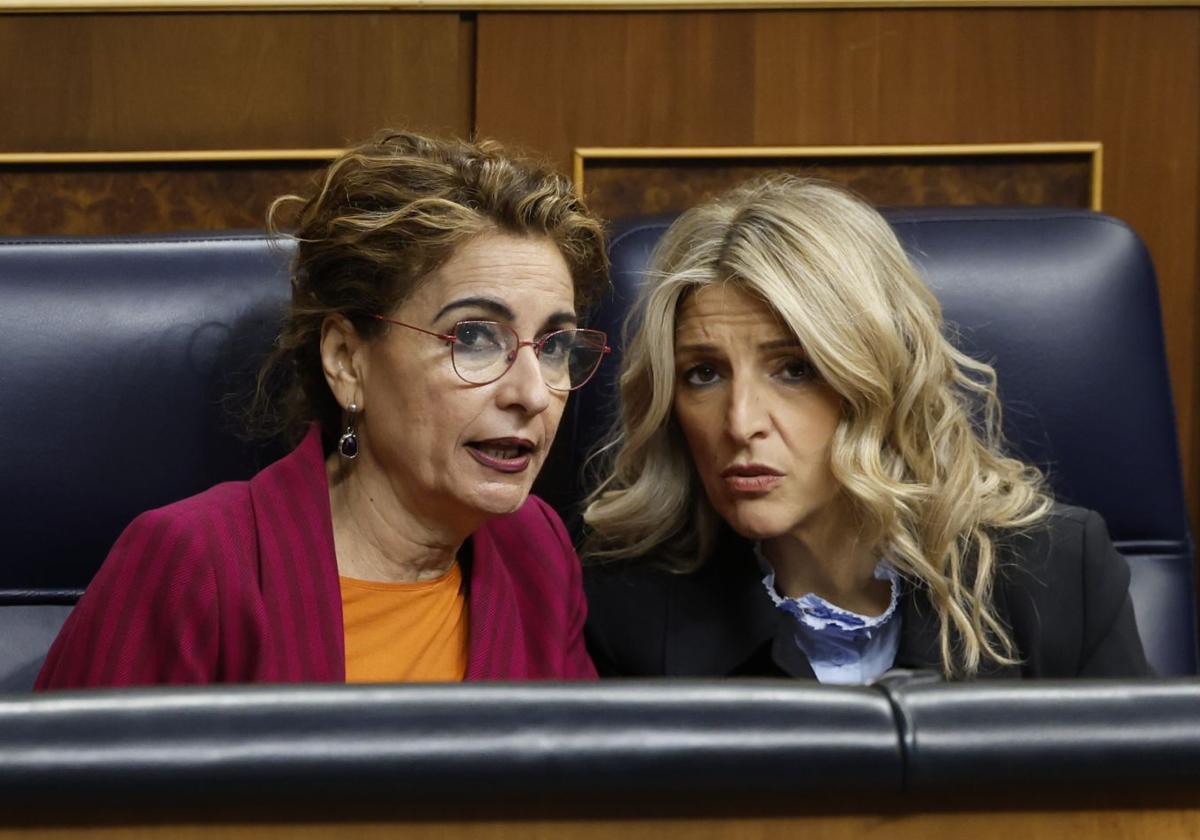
x,y
483,351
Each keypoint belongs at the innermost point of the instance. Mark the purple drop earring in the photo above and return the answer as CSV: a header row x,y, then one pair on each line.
x,y
348,442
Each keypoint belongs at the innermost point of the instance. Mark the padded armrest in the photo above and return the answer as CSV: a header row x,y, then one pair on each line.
x,y
545,750
448,749
1049,736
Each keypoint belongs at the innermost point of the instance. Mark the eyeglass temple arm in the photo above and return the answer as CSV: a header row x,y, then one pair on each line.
x,y
446,337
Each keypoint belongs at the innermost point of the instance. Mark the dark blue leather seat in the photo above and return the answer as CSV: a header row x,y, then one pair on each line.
x,y
1065,304
116,356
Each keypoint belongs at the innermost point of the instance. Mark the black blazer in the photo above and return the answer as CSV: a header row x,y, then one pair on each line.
x,y
1061,587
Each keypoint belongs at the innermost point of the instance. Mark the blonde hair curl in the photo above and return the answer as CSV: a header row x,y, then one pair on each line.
x,y
918,451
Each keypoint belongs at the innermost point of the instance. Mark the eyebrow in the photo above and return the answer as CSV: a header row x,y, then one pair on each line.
x,y
559,319
500,310
781,344
493,307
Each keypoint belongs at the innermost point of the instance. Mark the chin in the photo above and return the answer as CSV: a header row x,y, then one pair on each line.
x,y
499,500
756,531
756,521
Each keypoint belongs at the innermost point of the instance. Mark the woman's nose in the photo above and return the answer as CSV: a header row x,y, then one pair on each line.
x,y
523,385
747,414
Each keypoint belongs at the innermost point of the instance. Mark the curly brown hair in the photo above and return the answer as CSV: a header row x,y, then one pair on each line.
x,y
386,214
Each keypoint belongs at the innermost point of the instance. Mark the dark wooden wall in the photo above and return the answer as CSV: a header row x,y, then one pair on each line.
x,y
172,82
117,82
1129,78
552,82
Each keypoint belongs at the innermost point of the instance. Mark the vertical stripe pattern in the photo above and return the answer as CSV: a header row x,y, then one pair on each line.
x,y
239,584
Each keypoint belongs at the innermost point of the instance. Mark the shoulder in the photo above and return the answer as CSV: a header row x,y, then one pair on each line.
x,y
1071,522
1065,590
1067,544
230,498
150,614
1083,557
208,521
184,541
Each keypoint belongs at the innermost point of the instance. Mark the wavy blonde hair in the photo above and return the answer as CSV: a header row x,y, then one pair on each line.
x,y
918,450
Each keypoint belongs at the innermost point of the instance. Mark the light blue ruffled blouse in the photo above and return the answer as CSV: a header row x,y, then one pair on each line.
x,y
843,647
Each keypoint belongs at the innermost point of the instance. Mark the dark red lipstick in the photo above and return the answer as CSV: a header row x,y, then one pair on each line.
x,y
507,455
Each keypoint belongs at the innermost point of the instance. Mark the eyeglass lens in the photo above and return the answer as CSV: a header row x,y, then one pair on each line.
x,y
483,351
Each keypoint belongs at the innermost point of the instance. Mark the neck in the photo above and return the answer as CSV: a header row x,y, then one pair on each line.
x,y
379,535
828,559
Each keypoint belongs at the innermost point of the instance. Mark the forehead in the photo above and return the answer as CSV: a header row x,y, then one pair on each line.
x,y
726,307
505,267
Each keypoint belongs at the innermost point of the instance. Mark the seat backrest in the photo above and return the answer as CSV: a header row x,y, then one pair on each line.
x,y
116,356
1065,305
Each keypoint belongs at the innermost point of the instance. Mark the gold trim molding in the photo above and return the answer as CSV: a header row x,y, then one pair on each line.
x,y
93,6
186,156
1094,150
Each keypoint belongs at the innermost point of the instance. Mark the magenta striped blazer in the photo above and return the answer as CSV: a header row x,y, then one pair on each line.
x,y
240,584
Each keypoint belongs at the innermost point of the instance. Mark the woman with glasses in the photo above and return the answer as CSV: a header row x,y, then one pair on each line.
x,y
421,372
807,477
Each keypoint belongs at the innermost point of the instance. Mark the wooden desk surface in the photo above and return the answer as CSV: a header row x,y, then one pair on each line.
x,y
1176,824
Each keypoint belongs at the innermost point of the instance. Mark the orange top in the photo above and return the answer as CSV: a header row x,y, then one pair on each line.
x,y
405,632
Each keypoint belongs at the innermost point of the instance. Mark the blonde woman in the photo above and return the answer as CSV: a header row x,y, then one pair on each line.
x,y
807,477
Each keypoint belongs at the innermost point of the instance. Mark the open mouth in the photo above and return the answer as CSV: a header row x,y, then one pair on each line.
x,y
502,454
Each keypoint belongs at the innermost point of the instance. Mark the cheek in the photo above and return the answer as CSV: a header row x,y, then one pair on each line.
x,y
427,412
700,430
813,443
812,449
551,417
812,423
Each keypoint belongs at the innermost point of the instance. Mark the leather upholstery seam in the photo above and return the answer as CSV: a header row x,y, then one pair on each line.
x,y
906,735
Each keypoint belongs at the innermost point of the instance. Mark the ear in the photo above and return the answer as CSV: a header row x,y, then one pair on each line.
x,y
343,358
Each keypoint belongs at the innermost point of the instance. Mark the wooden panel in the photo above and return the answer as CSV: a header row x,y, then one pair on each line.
x,y
539,5
1177,824
86,200
192,81
1129,78
628,187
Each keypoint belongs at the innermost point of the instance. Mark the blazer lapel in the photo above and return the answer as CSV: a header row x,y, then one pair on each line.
x,y
788,655
920,644
920,639
720,621
496,648
298,567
